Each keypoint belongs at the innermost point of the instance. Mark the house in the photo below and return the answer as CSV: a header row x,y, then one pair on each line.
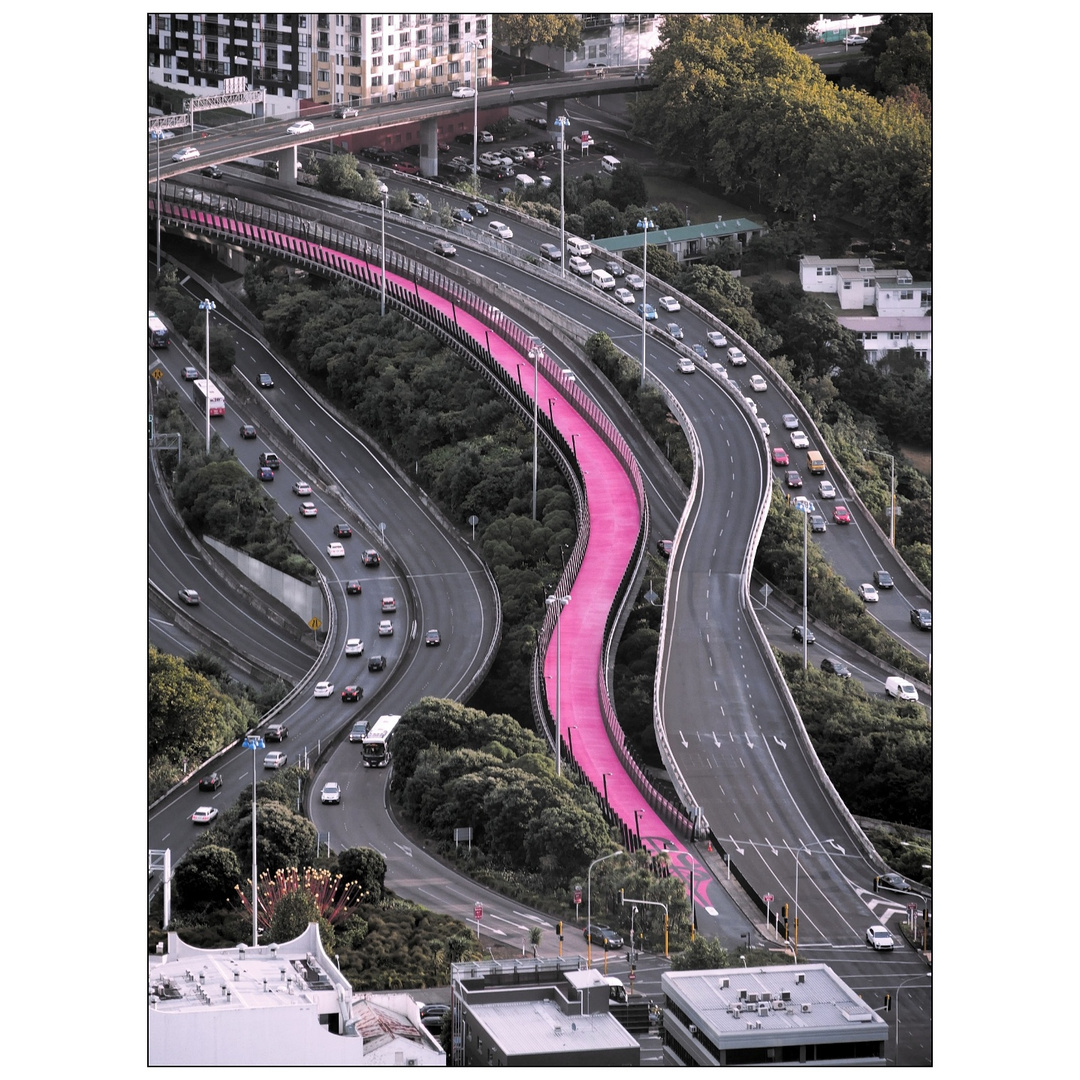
x,y
691,242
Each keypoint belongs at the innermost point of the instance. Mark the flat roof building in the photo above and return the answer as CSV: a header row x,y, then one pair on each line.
x,y
785,1015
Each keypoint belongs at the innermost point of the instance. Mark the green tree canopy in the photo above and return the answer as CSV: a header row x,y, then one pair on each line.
x,y
525,32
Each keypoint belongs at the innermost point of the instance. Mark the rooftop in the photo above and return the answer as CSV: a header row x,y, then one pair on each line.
x,y
704,231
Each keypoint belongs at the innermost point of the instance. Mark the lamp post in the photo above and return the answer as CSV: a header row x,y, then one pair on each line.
x,y
892,492
645,224
156,135
588,909
382,257
561,123
558,603
471,47
535,353
926,975
607,802
207,306
805,510
255,742
637,824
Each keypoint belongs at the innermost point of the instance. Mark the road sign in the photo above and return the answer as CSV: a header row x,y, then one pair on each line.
x,y
577,894
478,911
157,373
768,898
315,623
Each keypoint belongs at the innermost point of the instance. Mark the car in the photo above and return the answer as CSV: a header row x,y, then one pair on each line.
x,y
686,365
791,421
444,247
275,759
796,633
868,593
779,456
751,404
186,153
601,935
354,647
190,597
324,689
213,172
835,667
895,882
462,215
335,550
371,557
419,199
502,231
204,815
431,1016
460,166
699,350
266,474
716,338
664,547
478,209
353,587
825,490
463,92
331,793
190,373
635,281
841,516
341,529
817,523
344,112
389,603
407,168
271,460
551,252
276,733
764,425
352,693
580,265
432,638
921,618
624,296
301,487
855,39
793,479
736,356
669,303
799,440
266,382
308,509
758,383
386,628
675,330
648,311
247,431
486,137
614,268
359,729
376,663
802,505
211,782
879,938
883,579
543,179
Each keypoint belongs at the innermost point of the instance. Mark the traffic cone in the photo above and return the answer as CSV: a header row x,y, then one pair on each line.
x,y
710,845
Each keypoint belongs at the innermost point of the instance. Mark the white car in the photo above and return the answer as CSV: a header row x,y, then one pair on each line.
x,y
879,937
354,647
624,296
486,137
758,383
764,425
324,689
669,303
544,180
389,603
489,157
736,356
799,440
825,490
868,592
719,370
335,550
189,596
331,793
751,404
580,265
308,509
275,759
186,153
686,365
300,127
635,281
855,39
301,487
504,232
717,339
386,628
463,91
791,421
204,815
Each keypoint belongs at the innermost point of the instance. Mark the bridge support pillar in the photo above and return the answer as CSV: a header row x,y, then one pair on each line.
x,y
287,166
429,147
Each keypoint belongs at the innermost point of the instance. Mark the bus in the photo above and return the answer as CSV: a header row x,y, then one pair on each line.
x,y
206,390
158,333
379,742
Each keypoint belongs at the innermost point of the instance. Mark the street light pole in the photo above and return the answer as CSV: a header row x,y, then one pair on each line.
x,y
382,258
558,603
926,975
892,493
588,909
534,356
645,224
207,306
561,123
255,742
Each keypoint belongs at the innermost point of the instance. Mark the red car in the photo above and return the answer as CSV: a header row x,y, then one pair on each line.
x,y
779,456
841,516
406,167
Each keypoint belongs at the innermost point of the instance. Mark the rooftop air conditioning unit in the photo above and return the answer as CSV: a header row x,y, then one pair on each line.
x,y
693,1029
805,1007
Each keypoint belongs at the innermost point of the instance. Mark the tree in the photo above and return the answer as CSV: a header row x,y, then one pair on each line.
x,y
367,868
628,186
207,876
702,954
525,32
292,914
285,838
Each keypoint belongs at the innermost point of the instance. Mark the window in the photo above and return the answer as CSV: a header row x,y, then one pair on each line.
x,y
376,25
405,57
927,296
421,54
907,294
896,335
847,284
376,44
324,76
868,283
324,57
376,80
404,40
869,335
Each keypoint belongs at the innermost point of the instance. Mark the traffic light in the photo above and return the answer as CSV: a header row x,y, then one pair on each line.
x,y
150,424
888,1002
877,882
558,929
785,921
622,899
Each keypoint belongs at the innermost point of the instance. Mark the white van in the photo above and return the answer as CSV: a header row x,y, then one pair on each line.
x,y
525,181
900,688
602,279
609,163
576,246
